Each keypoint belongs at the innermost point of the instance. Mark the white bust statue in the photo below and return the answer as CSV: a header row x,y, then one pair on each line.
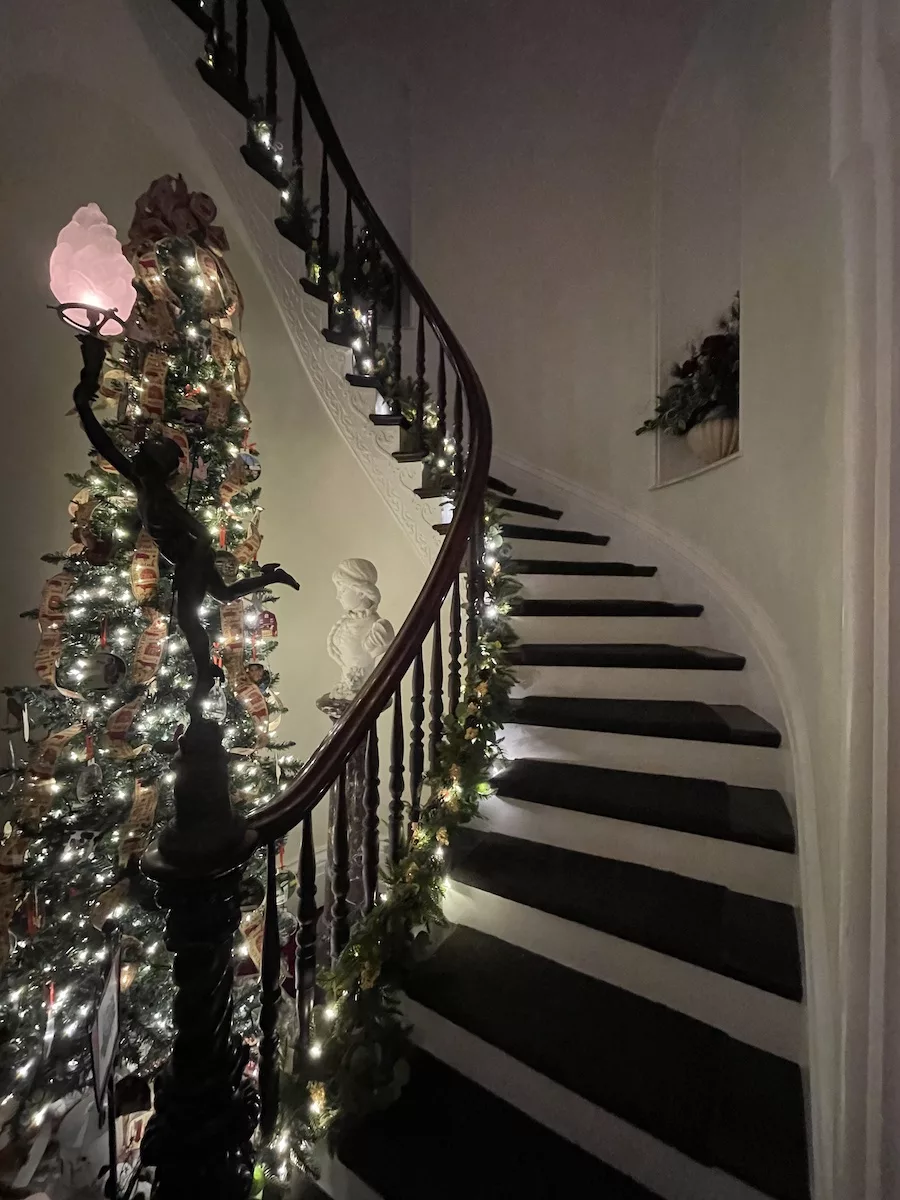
x,y
360,638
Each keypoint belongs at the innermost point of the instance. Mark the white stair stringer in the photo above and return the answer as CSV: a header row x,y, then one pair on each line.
x,y
665,1171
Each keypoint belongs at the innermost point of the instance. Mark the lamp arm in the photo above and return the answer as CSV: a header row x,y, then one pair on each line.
x,y
93,352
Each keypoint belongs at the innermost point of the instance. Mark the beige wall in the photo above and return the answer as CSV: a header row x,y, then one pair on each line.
x,y
95,121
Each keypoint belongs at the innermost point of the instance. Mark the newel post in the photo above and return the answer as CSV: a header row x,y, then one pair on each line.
x,y
206,1109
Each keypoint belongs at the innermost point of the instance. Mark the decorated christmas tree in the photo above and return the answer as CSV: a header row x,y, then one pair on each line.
x,y
90,779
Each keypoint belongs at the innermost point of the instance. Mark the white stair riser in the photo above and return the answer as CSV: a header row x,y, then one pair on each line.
x,y
589,587
662,1170
561,551
746,766
753,1016
636,683
755,871
674,631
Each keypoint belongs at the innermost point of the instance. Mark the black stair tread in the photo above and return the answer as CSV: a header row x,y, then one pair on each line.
x,y
364,381
389,419
545,533
707,807
536,533
408,456
497,485
479,1147
529,507
605,608
686,719
548,566
692,1086
317,290
743,937
339,337
624,654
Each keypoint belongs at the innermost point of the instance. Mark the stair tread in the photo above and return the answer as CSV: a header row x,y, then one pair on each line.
x,y
603,607
706,807
497,485
551,566
528,507
544,533
721,1102
525,1159
743,937
686,719
624,654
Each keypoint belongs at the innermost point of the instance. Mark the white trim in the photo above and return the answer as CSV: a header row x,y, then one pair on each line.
x,y
720,462
778,697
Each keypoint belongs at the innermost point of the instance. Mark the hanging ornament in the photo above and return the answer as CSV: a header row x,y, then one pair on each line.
x,y
148,652
216,706
267,625
153,384
257,673
89,782
227,566
145,568
103,670
83,842
247,551
276,710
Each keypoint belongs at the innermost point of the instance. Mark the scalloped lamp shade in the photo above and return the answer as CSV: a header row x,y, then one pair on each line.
x,y
88,267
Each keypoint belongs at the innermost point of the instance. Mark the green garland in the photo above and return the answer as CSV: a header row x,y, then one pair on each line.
x,y
360,1039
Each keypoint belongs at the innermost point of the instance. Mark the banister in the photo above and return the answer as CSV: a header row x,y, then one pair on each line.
x,y
323,767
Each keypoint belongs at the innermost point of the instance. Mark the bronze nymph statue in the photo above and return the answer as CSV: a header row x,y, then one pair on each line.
x,y
183,540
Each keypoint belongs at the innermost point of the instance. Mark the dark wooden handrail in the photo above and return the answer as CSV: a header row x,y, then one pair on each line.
x,y
324,766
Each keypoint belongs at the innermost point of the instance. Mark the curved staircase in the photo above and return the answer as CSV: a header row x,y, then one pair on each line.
x,y
617,1007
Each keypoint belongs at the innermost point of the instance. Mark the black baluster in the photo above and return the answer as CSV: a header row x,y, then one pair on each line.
x,y
340,871
441,403
458,457
223,67
270,984
322,247
475,585
396,349
348,274
370,833
260,150
395,814
417,737
453,682
436,711
373,330
295,224
305,937
420,383
240,41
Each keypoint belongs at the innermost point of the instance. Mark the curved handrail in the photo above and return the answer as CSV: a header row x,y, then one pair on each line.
x,y
321,770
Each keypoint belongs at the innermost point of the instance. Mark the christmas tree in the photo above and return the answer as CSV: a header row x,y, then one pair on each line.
x,y
116,675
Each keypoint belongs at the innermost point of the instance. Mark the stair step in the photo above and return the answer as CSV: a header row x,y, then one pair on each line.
x,y
605,608
743,937
435,492
706,807
528,507
412,456
364,381
318,291
550,566
339,337
538,533
394,420
621,654
684,719
260,160
522,1158
716,1099
497,485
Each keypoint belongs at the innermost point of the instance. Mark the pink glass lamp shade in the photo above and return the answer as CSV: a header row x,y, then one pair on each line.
x,y
90,276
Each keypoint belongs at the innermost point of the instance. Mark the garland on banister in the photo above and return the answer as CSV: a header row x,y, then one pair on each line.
x,y
360,1039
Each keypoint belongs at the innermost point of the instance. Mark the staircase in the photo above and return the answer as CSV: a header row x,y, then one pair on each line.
x,y
617,1006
